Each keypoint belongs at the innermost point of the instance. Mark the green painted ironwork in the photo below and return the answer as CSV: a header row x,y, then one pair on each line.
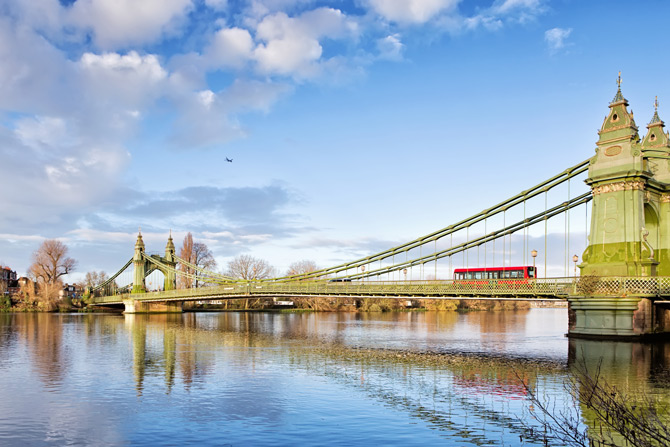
x,y
518,199
205,274
110,281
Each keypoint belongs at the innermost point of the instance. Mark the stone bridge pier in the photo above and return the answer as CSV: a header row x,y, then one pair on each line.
x,y
147,307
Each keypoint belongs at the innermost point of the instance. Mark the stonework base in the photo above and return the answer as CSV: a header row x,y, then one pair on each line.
x,y
618,318
662,317
608,317
144,307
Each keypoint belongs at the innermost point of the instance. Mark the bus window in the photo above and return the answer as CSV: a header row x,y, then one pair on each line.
x,y
479,275
531,272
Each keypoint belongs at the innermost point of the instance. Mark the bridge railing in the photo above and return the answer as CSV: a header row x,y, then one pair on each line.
x,y
623,286
233,289
543,287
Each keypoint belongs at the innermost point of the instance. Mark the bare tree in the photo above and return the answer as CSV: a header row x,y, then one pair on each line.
x,y
301,268
248,267
93,279
186,253
198,254
203,258
50,263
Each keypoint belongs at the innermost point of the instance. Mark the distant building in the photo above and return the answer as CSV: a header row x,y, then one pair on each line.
x,y
8,280
71,291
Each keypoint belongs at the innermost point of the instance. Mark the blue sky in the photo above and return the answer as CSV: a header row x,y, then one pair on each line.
x,y
353,125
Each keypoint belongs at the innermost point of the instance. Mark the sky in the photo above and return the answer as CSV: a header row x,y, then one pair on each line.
x,y
353,126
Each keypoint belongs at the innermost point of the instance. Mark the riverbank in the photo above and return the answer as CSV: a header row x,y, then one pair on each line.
x,y
320,304
334,304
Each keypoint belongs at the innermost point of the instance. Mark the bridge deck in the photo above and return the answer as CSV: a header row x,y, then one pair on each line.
x,y
556,288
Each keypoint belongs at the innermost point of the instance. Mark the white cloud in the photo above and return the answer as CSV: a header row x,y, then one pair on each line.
x,y
34,76
119,23
230,47
218,234
501,12
411,11
41,131
219,5
291,44
489,23
289,55
390,47
10,237
207,118
556,37
261,8
129,78
119,89
99,236
507,6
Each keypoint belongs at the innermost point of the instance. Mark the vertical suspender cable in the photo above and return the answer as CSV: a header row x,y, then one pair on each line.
x,y
435,249
545,233
421,265
525,234
503,238
569,227
467,239
451,271
485,243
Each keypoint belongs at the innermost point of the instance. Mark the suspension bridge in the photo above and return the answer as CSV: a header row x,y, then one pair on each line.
x,y
622,289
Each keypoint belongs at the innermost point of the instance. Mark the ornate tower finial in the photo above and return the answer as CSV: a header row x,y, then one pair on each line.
x,y
139,230
618,97
655,118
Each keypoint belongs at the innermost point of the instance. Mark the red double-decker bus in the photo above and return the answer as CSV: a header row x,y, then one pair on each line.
x,y
523,272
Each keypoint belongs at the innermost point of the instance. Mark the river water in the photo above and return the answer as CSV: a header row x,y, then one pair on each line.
x,y
406,378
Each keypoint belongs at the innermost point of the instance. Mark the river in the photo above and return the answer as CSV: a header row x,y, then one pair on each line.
x,y
403,378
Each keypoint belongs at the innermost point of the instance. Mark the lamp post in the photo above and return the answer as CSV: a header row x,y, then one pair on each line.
x,y
575,258
404,271
533,253
363,277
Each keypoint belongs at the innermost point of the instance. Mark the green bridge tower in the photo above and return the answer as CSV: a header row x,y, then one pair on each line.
x,y
143,267
630,225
